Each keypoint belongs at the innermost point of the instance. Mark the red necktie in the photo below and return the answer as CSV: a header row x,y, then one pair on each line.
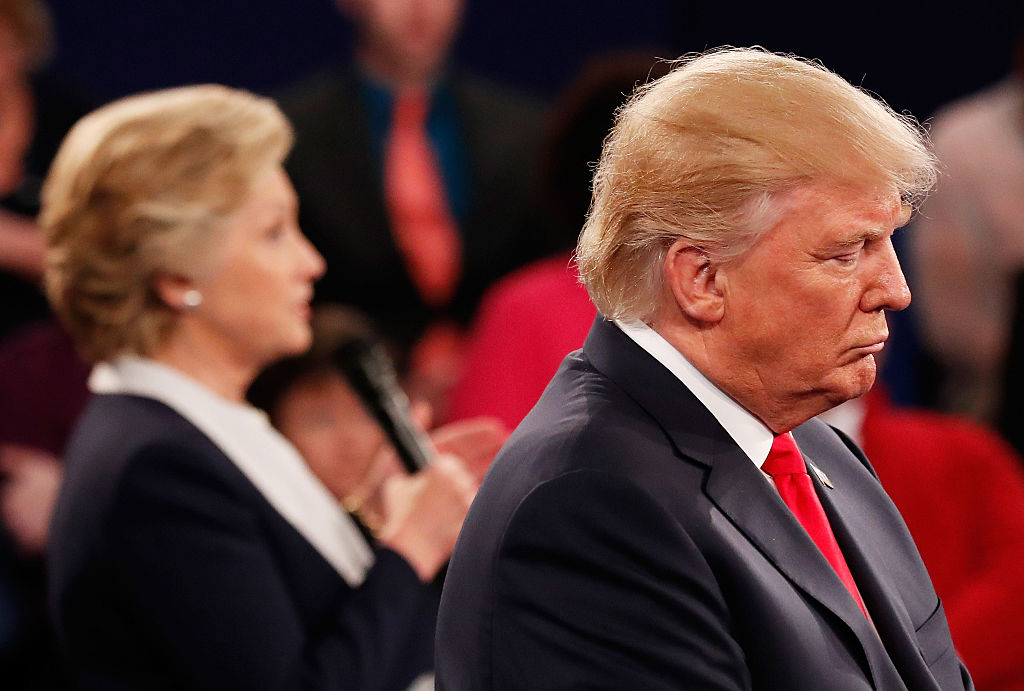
x,y
422,224
789,472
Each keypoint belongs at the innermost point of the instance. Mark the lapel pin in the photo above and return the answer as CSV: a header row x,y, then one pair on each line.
x,y
821,475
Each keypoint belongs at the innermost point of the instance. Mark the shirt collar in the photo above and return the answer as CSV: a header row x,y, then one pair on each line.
x,y
749,433
849,418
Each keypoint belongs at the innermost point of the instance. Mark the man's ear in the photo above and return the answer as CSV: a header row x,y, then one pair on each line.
x,y
693,279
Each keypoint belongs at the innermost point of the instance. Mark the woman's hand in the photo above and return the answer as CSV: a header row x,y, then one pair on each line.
x,y
475,441
423,513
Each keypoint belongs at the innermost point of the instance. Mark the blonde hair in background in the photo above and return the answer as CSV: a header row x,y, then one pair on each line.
x,y
138,188
700,153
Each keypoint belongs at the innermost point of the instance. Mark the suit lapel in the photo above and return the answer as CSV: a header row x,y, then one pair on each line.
x,y
761,515
735,485
849,518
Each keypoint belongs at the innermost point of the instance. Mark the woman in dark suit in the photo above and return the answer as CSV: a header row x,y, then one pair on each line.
x,y
191,546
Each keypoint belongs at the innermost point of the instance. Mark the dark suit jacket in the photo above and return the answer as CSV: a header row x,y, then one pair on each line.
x,y
342,208
169,570
622,540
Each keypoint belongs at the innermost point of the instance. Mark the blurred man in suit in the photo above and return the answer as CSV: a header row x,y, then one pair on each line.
x,y
669,515
415,180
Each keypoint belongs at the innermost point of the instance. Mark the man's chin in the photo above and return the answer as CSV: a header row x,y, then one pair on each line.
x,y
856,379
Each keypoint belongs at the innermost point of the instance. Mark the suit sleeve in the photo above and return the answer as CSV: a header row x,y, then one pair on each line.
x,y
597,587
196,567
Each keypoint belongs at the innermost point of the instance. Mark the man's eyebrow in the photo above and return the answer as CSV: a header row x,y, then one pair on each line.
x,y
863,236
875,232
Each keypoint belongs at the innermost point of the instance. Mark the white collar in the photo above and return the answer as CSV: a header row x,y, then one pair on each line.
x,y
749,433
246,437
848,417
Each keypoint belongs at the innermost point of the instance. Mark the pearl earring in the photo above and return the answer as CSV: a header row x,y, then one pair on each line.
x,y
192,299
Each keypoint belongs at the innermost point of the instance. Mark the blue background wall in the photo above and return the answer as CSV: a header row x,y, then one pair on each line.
x,y
915,57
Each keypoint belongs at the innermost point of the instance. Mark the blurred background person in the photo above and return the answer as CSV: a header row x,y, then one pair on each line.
x,y
191,546
310,402
969,244
35,112
416,182
42,380
24,46
530,319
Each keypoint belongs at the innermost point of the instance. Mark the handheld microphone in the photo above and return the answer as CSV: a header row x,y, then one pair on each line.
x,y
371,375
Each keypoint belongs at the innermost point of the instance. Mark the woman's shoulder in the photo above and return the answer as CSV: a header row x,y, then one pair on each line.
x,y
120,435
125,423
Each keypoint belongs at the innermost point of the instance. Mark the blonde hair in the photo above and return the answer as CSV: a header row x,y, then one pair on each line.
x,y
700,153
138,188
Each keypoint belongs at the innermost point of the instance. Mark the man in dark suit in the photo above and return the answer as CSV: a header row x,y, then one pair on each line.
x,y
480,142
670,515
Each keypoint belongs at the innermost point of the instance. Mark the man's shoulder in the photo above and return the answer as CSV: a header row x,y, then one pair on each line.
x,y
322,92
585,440
484,94
585,397
583,420
499,119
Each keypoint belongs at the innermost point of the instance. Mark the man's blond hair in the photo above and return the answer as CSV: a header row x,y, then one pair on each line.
x,y
699,154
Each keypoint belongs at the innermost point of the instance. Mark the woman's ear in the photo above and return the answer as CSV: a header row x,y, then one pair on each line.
x,y
174,291
694,281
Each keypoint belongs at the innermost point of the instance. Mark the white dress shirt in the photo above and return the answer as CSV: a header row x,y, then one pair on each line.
x,y
749,433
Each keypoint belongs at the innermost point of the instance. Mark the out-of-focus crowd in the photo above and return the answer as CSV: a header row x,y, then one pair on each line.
x,y
442,210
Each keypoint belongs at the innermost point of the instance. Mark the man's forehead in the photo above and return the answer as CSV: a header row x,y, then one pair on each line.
x,y
865,208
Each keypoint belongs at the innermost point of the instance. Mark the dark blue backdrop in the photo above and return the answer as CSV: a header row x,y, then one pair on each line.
x,y
916,58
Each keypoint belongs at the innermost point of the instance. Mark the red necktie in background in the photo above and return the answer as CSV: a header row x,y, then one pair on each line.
x,y
789,472
422,223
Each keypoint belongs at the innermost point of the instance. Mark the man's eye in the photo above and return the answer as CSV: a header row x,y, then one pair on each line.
x,y
846,259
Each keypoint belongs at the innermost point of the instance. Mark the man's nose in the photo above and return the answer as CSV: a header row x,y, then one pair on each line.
x,y
889,289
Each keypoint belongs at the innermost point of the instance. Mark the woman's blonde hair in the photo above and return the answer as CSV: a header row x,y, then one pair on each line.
x,y
699,154
137,189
